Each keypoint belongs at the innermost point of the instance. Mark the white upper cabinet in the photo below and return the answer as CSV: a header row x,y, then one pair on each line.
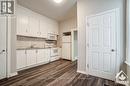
x,y
22,23
43,29
33,24
53,27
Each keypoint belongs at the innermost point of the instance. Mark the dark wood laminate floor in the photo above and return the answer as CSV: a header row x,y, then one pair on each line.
x,y
58,73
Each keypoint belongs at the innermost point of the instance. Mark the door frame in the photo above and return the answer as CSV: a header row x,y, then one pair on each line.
x,y
72,35
118,37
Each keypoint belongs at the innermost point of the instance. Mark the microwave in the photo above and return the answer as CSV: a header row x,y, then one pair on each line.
x,y
52,36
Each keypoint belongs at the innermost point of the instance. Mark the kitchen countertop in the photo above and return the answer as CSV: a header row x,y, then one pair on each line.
x,y
30,48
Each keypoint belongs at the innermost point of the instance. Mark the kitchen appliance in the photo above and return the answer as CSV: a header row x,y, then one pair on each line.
x,y
52,36
54,54
66,47
50,45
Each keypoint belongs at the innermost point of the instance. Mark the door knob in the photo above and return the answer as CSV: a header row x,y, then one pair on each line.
x,y
2,51
112,50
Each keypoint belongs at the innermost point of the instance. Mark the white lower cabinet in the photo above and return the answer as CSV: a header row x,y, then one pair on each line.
x,y
47,55
43,55
21,59
31,57
40,55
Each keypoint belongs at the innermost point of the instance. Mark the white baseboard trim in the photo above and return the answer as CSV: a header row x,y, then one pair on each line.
x,y
83,72
13,74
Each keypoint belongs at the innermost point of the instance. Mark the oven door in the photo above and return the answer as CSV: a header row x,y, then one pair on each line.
x,y
54,52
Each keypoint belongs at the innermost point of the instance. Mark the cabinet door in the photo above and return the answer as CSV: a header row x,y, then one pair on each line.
x,y
47,55
31,57
34,26
40,56
21,59
43,29
66,51
22,24
55,28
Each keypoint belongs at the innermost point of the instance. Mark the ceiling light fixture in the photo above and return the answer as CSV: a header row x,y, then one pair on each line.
x,y
58,1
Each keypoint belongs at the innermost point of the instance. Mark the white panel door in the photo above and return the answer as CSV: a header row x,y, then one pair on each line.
x,y
31,57
2,47
102,45
21,59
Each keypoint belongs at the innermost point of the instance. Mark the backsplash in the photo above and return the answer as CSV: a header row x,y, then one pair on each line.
x,y
27,42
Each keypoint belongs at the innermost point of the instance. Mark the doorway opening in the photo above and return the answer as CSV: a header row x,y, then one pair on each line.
x,y
74,45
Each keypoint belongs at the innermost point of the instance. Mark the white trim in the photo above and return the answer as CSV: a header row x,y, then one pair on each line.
x,y
87,41
83,72
127,63
72,47
12,74
118,36
128,32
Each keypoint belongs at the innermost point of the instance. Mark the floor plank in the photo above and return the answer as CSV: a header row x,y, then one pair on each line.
x,y
58,73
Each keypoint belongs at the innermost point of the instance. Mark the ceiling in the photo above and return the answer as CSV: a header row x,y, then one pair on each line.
x,y
57,11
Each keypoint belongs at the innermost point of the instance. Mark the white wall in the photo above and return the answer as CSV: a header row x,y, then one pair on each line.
x,y
128,38
88,7
67,26
75,45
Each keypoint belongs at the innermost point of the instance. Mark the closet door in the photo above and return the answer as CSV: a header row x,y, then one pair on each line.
x,y
3,59
102,45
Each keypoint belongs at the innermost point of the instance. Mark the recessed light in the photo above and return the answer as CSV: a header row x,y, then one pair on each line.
x,y
58,1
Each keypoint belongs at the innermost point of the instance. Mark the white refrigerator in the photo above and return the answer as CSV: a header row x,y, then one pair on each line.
x,y
66,47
